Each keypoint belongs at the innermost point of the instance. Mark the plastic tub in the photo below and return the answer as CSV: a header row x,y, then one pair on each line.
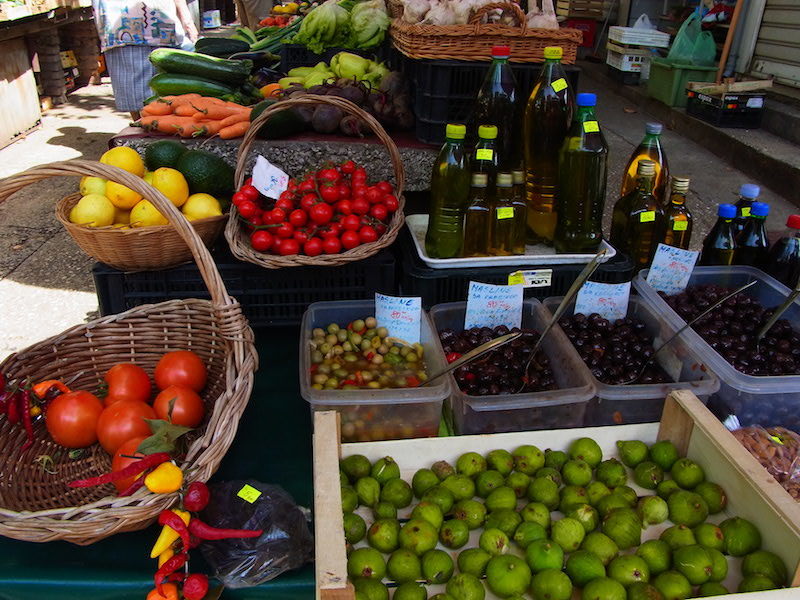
x,y
555,409
644,403
755,400
372,415
668,80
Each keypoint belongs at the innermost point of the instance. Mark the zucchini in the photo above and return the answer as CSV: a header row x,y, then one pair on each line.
x,y
175,84
182,62
246,34
280,125
220,47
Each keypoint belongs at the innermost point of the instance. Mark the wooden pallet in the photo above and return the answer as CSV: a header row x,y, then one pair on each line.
x,y
586,9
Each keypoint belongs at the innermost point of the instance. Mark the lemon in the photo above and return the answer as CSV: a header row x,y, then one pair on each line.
x,y
201,206
124,158
145,214
121,217
93,185
93,210
148,177
172,184
121,196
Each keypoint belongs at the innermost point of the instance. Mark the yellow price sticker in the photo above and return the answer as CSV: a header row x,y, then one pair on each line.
x,y
505,212
558,85
249,494
647,216
680,225
591,127
746,211
484,154
516,278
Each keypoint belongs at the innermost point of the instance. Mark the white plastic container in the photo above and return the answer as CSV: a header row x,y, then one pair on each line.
x,y
211,19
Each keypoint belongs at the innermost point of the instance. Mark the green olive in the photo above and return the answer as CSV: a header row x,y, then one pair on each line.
x,y
341,335
317,357
319,378
333,328
419,349
349,386
332,383
422,376
317,386
355,339
377,359
400,382
332,339
412,357
376,341
358,325
340,373
374,385
367,376
404,351
370,322
383,380
371,333
324,369
394,350
325,348
318,332
366,345
348,347
338,350
350,357
383,332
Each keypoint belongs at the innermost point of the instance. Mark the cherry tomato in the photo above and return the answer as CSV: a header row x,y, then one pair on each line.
x,y
380,229
286,195
391,203
127,381
343,207
187,410
298,217
292,185
250,192
351,223
248,209
329,175
359,191
307,186
331,245
348,167
301,235
336,228
72,419
238,198
285,205
248,181
284,230
122,459
367,234
344,191
350,239
360,206
278,215
256,221
374,195
288,247
360,174
379,212
385,187
182,367
261,240
122,421
329,193
321,213
313,247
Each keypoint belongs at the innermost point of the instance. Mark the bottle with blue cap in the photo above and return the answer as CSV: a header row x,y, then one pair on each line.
x,y
582,174
548,115
719,247
649,149
752,245
748,194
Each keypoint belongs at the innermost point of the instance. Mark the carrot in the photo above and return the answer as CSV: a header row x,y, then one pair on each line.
x,y
236,118
148,121
208,128
183,99
215,112
186,110
235,130
157,107
172,124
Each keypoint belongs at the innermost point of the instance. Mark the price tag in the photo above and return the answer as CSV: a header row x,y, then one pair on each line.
x,y
249,494
269,179
647,216
505,212
591,127
745,211
671,269
609,300
492,305
484,154
401,316
559,84
537,278
680,225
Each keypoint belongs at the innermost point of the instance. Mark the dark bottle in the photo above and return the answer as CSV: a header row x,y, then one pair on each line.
x,y
679,218
719,246
485,157
477,219
752,245
783,261
650,148
748,194
496,105
582,174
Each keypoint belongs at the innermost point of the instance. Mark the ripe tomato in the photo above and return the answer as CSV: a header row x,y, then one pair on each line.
x,y
119,461
329,193
298,217
359,175
127,381
350,239
348,167
188,409
343,207
300,235
182,367
255,221
329,175
380,229
379,212
321,213
360,206
351,223
288,247
358,190
331,245
335,228
72,419
248,209
284,230
285,205
367,234
307,186
313,247
278,214
261,240
344,191
238,198
391,203
292,186
374,195
122,421
385,187
250,192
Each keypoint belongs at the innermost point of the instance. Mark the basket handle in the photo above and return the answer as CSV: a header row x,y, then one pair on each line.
x,y
208,269
314,100
511,7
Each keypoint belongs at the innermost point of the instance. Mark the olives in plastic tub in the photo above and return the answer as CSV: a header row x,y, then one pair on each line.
x,y
379,414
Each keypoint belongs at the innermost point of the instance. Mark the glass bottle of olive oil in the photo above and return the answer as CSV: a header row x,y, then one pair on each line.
x,y
505,238
485,158
679,218
478,218
548,115
650,148
719,247
520,205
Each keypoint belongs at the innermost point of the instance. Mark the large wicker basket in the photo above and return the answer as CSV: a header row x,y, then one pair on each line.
x,y
38,506
239,239
474,41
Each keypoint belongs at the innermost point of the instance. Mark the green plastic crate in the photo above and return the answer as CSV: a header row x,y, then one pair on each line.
x,y
668,81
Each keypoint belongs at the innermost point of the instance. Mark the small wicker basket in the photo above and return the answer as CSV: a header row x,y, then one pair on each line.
x,y
36,505
474,40
238,238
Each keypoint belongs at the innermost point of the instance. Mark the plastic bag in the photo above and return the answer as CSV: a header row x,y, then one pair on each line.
x,y
285,544
692,45
643,22
778,451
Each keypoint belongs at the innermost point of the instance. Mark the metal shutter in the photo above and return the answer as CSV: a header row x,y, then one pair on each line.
x,y
777,50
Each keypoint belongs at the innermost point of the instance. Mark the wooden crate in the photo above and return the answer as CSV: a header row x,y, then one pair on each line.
x,y
752,492
18,95
588,9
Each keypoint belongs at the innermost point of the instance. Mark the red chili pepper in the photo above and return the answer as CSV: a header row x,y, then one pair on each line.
x,y
2,381
412,381
151,460
134,487
25,408
196,497
168,568
206,532
314,368
452,357
13,408
5,398
170,519
359,378
176,577
195,587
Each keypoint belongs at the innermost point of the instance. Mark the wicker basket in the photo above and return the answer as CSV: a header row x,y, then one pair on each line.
x,y
394,8
238,238
136,248
474,41
38,506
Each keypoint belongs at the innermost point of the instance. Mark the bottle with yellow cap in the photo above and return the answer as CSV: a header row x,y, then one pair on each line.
x,y
507,237
485,158
478,218
679,218
449,192
548,115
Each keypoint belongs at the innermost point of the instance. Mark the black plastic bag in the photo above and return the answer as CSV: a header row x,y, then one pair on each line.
x,y
285,544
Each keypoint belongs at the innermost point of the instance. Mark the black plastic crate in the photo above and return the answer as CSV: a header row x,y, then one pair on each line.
x,y
269,297
297,55
740,110
435,286
624,77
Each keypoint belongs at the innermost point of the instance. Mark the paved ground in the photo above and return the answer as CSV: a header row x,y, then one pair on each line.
x,y
45,280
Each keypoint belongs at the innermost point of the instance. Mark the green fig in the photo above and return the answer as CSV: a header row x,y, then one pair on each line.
x,y
632,452
501,461
470,464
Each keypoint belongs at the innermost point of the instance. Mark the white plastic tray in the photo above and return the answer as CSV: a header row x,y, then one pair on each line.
x,y
534,255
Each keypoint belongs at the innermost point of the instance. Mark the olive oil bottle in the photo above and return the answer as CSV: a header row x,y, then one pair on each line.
x,y
752,245
505,236
520,205
748,193
719,247
650,149
679,218
646,220
485,157
478,218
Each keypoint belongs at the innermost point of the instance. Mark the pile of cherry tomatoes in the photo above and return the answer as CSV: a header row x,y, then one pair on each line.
x,y
330,211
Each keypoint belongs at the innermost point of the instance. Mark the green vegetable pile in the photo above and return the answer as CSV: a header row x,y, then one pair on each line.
x,y
342,24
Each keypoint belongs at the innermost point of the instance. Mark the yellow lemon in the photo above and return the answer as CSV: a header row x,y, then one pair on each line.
x,y
121,217
93,210
201,206
93,185
172,184
148,177
124,158
145,214
121,196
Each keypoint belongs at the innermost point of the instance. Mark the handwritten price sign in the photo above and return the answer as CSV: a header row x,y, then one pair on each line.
x,y
269,179
401,316
671,269
609,300
492,305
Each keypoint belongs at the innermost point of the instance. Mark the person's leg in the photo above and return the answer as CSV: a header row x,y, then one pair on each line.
x,y
130,70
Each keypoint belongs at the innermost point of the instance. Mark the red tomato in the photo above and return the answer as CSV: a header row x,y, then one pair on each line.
x,y
348,167
248,209
321,213
278,214
344,191
119,461
298,217
367,234
331,245
308,202
238,198
122,421
250,192
336,228
350,239
286,195
284,230
329,175
359,190
248,181
292,186
360,206
359,175
391,203
127,381
188,409
288,247
285,205
261,240
379,212
182,367
300,235
343,207
374,195
71,419
385,187
307,186
255,221
329,193
380,229
351,223
313,247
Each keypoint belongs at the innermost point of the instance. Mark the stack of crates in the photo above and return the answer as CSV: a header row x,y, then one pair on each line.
x,y
630,50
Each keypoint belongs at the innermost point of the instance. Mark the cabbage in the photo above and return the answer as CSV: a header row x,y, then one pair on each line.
x,y
325,26
368,23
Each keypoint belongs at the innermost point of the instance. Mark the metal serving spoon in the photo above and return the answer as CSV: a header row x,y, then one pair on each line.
x,y
778,313
475,353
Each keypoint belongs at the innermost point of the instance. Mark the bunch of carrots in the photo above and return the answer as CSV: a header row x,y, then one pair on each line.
x,y
193,115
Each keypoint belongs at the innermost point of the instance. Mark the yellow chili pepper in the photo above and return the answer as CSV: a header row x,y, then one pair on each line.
x,y
164,479
168,535
165,556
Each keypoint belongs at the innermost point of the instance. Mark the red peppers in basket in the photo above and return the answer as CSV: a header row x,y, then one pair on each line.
x,y
170,519
196,497
25,407
133,469
168,568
